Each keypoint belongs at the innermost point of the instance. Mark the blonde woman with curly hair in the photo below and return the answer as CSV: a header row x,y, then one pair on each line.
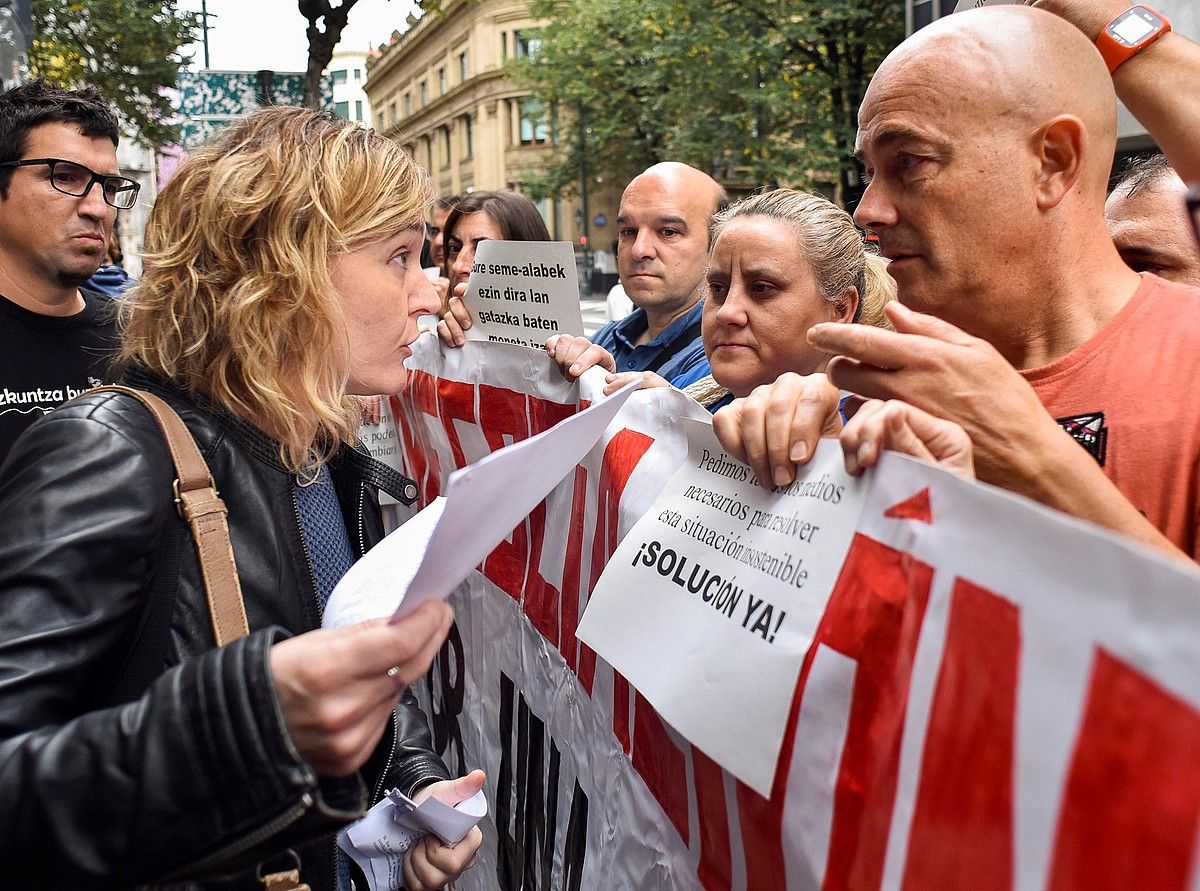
x,y
282,278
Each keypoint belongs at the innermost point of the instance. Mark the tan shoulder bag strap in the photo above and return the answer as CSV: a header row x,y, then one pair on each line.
x,y
198,503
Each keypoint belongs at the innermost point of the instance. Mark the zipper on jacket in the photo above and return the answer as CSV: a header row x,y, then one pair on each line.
x,y
247,842
362,519
391,759
362,549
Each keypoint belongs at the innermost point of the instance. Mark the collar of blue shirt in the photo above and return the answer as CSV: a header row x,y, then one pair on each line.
x,y
630,328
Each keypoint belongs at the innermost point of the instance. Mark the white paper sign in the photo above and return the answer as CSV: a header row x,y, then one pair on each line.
x,y
432,553
711,601
523,292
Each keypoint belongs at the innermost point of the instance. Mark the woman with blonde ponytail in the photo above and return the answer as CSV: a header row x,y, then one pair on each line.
x,y
779,263
879,289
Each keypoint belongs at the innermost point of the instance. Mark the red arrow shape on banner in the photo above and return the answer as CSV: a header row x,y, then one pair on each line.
x,y
915,508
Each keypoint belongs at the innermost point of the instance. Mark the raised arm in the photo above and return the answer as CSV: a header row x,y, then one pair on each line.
x,y
1160,85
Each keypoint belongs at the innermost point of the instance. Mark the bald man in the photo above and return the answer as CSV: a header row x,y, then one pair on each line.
x,y
663,226
1148,220
1076,378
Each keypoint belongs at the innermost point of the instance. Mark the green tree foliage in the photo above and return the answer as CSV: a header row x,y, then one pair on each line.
x,y
129,49
756,91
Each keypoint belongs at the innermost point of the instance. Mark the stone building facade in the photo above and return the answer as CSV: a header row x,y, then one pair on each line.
x,y
441,89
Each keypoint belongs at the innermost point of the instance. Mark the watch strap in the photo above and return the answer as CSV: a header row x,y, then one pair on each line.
x,y
1116,54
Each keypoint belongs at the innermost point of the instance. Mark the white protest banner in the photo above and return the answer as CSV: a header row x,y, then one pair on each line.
x,y
522,292
726,582
995,697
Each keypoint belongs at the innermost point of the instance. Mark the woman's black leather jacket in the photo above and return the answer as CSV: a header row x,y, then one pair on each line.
x,y
196,781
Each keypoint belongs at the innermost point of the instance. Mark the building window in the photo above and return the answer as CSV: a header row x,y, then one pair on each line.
x,y
423,90
441,81
358,114
427,151
463,71
342,109
357,74
339,77
922,14
535,122
446,146
392,113
528,43
407,104
503,44
468,138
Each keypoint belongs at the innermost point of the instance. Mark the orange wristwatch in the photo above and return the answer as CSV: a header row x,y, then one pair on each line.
x,y
1130,33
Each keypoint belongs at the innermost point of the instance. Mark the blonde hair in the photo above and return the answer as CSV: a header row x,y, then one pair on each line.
x,y
831,244
236,302
879,291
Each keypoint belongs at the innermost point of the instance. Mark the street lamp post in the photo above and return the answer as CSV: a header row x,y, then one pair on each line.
x,y
204,29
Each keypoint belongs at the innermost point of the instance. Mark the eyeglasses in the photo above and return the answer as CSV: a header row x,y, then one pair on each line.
x,y
76,180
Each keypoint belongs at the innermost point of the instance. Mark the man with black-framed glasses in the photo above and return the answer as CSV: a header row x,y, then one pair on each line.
x,y
60,189
77,181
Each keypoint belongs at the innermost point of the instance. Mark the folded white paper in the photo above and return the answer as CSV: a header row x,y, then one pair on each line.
x,y
435,817
379,841
431,554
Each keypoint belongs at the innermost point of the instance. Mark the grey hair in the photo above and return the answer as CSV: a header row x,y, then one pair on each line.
x,y
1143,174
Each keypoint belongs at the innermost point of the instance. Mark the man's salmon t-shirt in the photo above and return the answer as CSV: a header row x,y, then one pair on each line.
x,y
1130,396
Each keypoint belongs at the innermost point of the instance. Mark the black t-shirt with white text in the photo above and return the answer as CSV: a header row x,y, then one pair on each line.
x,y
46,360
